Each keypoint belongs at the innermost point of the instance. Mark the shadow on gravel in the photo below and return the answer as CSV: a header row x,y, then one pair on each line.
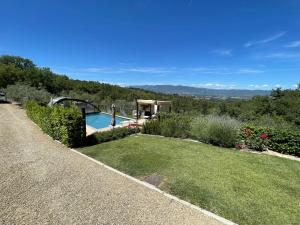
x,y
5,102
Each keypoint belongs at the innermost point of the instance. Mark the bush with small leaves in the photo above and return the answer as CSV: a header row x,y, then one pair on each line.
x,y
217,130
113,134
62,124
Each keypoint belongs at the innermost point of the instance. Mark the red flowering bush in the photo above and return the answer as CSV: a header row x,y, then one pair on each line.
x,y
264,136
280,140
255,139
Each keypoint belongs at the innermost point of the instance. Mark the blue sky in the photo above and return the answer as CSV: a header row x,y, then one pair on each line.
x,y
215,44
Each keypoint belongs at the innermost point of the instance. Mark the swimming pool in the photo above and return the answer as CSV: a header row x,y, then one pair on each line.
x,y
102,120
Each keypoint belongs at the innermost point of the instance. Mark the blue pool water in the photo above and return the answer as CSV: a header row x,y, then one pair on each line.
x,y
101,120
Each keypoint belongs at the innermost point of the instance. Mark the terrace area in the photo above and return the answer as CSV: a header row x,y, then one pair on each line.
x,y
147,109
97,121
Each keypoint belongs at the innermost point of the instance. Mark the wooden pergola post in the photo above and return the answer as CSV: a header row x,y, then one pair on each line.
x,y
137,109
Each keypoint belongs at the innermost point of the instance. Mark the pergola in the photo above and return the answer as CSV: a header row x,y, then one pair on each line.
x,y
153,105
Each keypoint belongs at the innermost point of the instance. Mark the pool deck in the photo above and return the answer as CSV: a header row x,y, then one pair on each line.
x,y
91,130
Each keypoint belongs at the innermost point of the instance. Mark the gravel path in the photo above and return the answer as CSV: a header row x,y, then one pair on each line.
x,y
43,182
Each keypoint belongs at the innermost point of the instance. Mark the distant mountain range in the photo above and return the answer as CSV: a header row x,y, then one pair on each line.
x,y
203,92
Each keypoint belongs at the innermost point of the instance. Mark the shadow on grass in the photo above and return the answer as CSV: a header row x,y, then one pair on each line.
x,y
187,189
144,164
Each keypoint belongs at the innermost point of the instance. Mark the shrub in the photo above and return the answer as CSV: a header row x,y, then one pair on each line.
x,y
281,140
217,130
168,125
257,140
175,127
272,121
152,127
114,134
63,124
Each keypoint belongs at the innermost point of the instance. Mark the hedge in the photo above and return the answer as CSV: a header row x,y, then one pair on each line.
x,y
168,125
285,141
114,134
63,124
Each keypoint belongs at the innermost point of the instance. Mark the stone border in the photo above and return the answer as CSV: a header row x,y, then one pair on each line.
x,y
152,187
147,185
278,154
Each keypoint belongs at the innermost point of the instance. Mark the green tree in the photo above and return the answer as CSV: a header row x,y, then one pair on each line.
x,y
23,93
17,61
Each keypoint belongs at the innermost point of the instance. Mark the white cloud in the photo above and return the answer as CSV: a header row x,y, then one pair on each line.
x,y
266,40
149,70
162,71
119,84
266,86
126,64
101,70
282,55
250,71
223,52
293,44
225,71
215,85
259,86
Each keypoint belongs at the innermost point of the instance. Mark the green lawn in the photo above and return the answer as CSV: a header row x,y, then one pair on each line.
x,y
243,187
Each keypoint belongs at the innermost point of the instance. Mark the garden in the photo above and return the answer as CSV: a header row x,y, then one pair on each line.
x,y
243,187
225,132
240,186
67,126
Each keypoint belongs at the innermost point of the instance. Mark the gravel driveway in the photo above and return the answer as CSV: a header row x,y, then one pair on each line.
x,y
43,182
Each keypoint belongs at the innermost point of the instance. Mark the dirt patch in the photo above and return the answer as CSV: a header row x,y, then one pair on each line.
x,y
155,179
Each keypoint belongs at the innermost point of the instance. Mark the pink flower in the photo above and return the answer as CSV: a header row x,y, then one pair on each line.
x,y
264,136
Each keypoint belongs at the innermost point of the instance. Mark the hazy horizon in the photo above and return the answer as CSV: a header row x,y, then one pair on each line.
x,y
213,88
